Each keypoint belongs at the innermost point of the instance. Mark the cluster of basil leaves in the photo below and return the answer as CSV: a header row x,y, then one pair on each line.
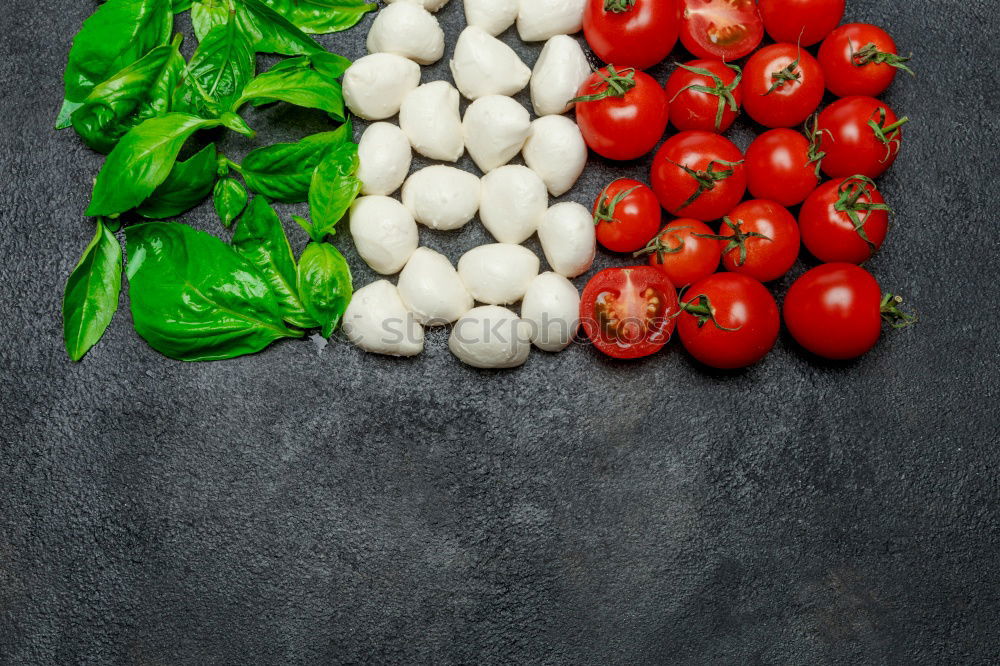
x,y
131,95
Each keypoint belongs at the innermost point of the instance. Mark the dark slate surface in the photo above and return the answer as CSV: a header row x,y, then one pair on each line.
x,y
311,508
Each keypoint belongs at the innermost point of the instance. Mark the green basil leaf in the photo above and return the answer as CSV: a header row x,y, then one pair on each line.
x,y
334,186
283,171
91,297
296,81
324,282
230,199
267,30
208,14
319,17
194,298
178,6
187,186
261,239
220,68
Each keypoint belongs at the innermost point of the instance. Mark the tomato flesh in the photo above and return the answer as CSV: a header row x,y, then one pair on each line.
x,y
720,29
629,312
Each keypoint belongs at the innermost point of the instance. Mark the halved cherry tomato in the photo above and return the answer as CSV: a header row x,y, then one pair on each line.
x,y
844,220
699,175
860,59
631,33
860,135
704,95
804,22
720,29
782,85
629,312
728,321
781,166
685,251
761,239
627,214
622,113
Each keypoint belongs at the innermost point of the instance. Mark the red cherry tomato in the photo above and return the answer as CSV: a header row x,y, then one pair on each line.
x,y
860,135
629,312
704,95
728,321
685,251
844,220
804,22
720,29
782,85
780,166
761,239
622,113
699,175
860,59
627,214
631,33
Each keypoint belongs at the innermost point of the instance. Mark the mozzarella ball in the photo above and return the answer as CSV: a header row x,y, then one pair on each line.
x,y
375,85
429,116
409,30
384,158
514,203
552,307
498,274
384,232
429,5
561,70
569,239
537,20
491,337
442,197
495,129
483,65
432,290
493,16
556,151
377,321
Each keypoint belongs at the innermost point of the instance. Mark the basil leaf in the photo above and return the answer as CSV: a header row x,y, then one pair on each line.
x,y
283,171
208,14
296,81
260,239
194,298
324,282
267,30
220,68
230,199
187,185
319,17
178,6
91,296
334,186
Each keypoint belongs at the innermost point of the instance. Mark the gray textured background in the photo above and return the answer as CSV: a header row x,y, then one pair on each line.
x,y
301,507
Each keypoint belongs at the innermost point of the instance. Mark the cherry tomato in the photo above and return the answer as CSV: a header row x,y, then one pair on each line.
x,y
627,214
622,113
782,86
720,29
860,59
836,311
728,321
780,166
852,145
844,220
631,33
761,240
685,251
804,22
704,95
629,312
699,175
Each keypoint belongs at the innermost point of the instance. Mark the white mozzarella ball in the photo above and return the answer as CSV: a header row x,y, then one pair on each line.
x,y
432,290
442,197
569,239
483,65
384,232
429,5
429,116
384,158
409,30
493,16
556,151
495,129
498,274
561,70
375,85
537,20
552,307
491,337
377,321
514,203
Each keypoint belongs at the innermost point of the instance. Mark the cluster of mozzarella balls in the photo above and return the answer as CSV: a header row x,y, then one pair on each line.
x,y
510,200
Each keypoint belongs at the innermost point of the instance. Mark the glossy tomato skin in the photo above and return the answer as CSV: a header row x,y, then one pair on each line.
x,y
829,234
767,258
778,168
720,29
627,127
639,37
629,312
740,304
851,145
782,103
687,257
696,150
834,311
843,76
787,20
694,110
635,218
